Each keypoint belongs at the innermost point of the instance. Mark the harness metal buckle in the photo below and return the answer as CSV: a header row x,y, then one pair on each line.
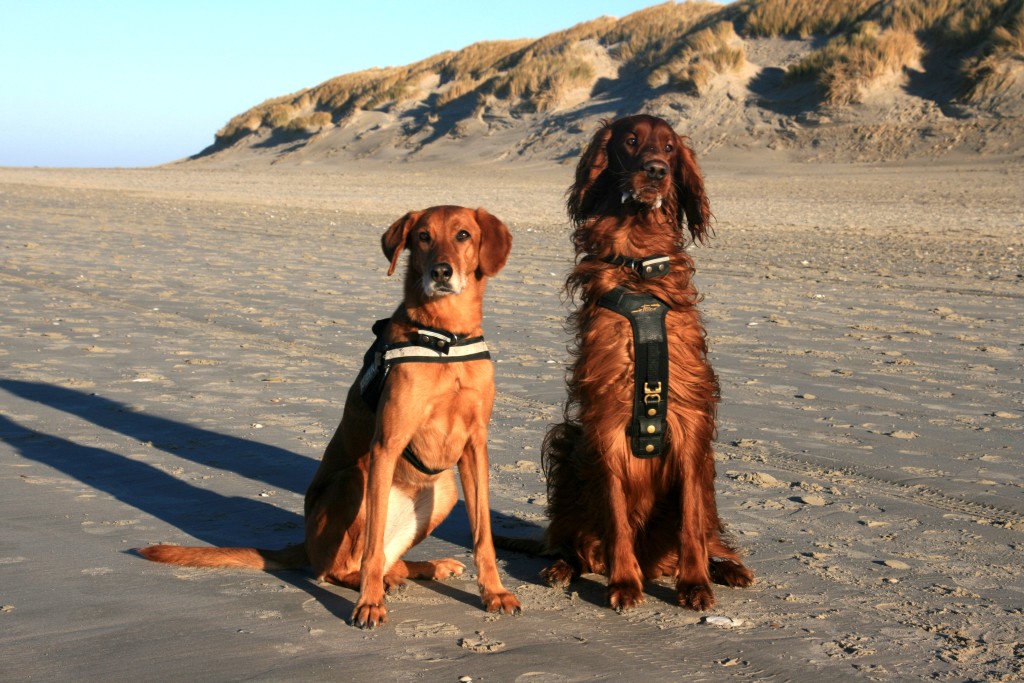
x,y
652,398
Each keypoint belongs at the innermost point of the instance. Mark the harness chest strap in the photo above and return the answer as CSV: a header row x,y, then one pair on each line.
x,y
646,315
427,346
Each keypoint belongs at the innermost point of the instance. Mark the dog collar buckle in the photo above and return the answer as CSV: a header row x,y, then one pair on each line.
x,y
653,266
435,339
647,268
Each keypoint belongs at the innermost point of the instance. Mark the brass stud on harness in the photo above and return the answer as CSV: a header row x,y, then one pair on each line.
x,y
649,448
651,429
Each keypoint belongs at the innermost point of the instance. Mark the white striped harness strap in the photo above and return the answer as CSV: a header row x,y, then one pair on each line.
x,y
426,346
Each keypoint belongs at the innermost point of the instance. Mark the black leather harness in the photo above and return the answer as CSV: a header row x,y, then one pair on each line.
x,y
427,346
646,315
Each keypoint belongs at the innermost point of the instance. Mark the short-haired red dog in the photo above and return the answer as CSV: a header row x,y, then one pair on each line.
x,y
421,405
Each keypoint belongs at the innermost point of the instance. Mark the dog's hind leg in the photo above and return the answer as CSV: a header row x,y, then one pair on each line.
x,y
409,522
730,572
335,517
726,566
560,574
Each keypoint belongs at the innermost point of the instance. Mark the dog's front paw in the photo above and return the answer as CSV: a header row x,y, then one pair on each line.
x,y
501,602
447,568
369,616
624,596
695,596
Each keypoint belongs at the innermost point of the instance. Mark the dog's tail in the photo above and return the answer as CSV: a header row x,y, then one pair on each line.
x,y
292,557
527,546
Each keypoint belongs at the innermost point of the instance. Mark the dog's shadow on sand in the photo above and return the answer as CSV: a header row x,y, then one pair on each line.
x,y
202,513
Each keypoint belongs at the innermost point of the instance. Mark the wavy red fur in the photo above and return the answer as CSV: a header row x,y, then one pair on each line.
x,y
634,519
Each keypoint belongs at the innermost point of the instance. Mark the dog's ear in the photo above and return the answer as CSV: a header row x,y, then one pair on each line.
x,y
495,243
393,239
590,167
694,208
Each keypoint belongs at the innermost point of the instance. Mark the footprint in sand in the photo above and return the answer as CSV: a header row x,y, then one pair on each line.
x,y
481,643
419,628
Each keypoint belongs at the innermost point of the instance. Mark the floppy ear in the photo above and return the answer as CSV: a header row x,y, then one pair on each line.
x,y
694,207
393,239
495,243
591,165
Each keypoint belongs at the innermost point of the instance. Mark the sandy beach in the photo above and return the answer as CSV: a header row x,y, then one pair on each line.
x,y
176,344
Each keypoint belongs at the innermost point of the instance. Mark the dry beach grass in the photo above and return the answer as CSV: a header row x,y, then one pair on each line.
x,y
175,344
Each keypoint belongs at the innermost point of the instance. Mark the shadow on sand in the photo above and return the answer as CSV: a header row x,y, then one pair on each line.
x,y
204,514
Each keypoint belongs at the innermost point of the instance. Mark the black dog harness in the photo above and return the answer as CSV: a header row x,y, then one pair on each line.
x,y
427,346
646,315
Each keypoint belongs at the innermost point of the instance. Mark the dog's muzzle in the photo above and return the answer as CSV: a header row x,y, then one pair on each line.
x,y
636,197
441,273
652,173
441,280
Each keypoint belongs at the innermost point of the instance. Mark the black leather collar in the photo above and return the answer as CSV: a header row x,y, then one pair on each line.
x,y
647,267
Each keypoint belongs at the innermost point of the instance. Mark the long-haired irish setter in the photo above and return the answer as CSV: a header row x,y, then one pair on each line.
x,y
630,473
420,405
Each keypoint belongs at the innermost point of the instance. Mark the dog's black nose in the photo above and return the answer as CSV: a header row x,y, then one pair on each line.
x,y
656,170
441,273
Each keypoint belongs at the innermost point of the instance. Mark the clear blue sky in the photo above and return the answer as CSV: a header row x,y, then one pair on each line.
x,y
137,83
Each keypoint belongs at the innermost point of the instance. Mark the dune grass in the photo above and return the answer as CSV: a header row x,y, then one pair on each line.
x,y
681,46
701,56
801,18
888,37
648,38
848,65
1001,62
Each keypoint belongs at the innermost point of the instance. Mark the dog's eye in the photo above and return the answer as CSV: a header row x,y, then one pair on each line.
x,y
424,237
669,148
462,236
631,141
